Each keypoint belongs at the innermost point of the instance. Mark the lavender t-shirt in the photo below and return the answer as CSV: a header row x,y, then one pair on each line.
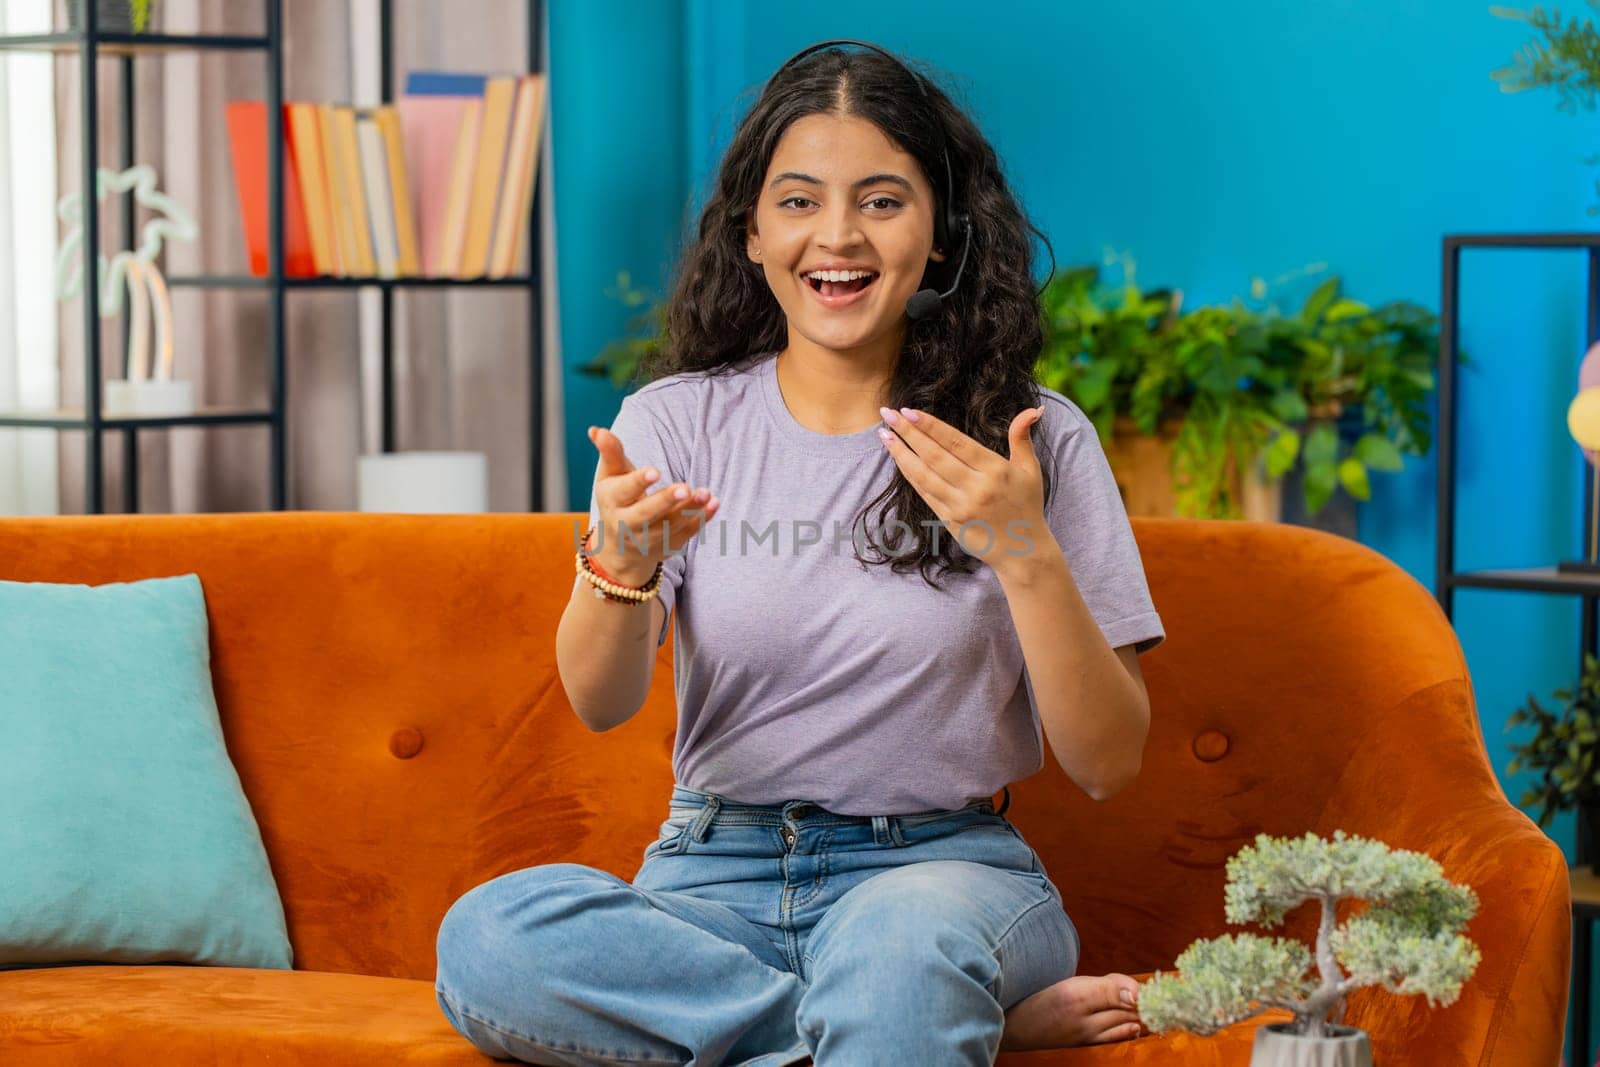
x,y
800,674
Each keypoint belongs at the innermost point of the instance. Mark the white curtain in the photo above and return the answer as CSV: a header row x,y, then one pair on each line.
x,y
28,375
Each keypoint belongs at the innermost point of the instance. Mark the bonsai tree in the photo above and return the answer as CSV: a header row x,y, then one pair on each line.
x,y
1408,940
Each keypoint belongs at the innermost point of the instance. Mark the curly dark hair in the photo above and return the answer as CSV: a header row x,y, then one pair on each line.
x,y
970,364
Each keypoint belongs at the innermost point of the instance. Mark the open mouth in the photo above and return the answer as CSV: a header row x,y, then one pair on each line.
x,y
842,288
840,294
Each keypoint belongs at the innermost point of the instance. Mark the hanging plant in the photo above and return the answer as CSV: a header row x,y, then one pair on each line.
x,y
1568,61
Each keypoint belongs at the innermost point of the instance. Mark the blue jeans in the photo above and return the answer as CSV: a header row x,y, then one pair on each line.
x,y
761,935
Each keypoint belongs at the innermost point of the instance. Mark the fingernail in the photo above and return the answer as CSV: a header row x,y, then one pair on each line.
x,y
889,416
908,413
651,473
681,493
1127,997
885,435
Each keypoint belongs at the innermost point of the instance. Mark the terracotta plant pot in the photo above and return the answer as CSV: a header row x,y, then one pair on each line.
x,y
1142,466
1345,1046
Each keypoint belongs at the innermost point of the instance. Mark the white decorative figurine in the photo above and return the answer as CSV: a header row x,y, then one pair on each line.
x,y
145,390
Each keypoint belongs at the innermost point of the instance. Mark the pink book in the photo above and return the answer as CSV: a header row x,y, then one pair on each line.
x,y
429,127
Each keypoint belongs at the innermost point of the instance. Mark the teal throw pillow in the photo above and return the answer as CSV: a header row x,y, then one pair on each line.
x,y
125,834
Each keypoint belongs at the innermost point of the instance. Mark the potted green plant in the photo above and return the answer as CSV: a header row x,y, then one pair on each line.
x,y
1562,752
113,16
1407,940
1568,61
1331,391
619,361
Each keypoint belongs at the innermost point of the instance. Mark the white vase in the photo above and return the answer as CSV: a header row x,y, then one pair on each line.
x,y
415,482
1276,1046
148,396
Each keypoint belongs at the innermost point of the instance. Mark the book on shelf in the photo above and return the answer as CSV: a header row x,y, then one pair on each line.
x,y
380,209
522,162
429,126
343,226
498,97
458,198
354,202
305,141
438,184
388,120
247,138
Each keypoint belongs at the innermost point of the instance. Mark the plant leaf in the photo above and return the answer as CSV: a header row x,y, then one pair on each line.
x,y
1378,453
1353,475
1282,452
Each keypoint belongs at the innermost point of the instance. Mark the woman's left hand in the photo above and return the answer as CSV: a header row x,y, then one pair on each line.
x,y
969,485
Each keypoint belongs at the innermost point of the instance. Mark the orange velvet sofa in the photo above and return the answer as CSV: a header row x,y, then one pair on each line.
x,y
388,692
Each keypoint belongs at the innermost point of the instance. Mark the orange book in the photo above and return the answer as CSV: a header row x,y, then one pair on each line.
x,y
400,192
247,136
306,140
498,95
456,204
338,204
355,197
522,167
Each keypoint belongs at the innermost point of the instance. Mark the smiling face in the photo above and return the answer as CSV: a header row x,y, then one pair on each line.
x,y
839,191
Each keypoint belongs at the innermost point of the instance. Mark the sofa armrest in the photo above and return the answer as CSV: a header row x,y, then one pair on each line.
x,y
1422,781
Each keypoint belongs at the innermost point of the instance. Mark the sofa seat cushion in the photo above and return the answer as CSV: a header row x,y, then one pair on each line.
x,y
118,1015
113,1016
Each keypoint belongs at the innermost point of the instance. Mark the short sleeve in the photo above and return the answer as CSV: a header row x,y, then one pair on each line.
x,y
647,444
1086,515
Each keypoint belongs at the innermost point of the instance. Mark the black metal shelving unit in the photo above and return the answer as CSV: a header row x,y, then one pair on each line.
x,y
1526,579
90,45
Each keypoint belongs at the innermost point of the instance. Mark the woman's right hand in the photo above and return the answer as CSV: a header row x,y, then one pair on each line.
x,y
625,506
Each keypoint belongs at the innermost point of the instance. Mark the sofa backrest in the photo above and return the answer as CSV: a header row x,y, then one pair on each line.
x,y
388,690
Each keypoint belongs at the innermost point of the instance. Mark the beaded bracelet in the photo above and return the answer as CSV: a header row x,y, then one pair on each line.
x,y
611,590
592,564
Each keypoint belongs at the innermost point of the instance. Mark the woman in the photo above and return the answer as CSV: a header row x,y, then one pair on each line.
x,y
899,566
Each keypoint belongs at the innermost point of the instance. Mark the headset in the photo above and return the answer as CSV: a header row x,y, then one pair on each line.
x,y
923,302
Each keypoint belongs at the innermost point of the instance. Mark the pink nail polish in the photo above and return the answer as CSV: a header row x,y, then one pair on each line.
x,y
908,413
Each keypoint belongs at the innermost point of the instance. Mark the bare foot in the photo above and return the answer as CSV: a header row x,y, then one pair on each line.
x,y
1085,1009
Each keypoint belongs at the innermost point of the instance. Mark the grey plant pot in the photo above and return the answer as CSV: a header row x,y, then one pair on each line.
x,y
1338,515
1276,1046
111,16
